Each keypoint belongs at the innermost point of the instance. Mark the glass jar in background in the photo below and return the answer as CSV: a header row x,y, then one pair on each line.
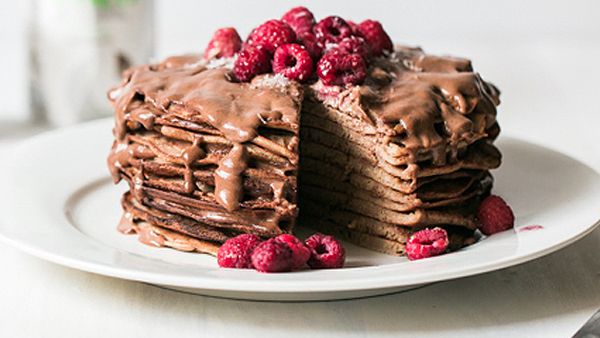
x,y
78,49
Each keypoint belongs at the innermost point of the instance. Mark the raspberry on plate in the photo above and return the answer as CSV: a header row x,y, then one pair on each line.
x,y
339,68
236,252
427,243
271,35
300,19
272,256
300,252
293,61
372,31
494,215
332,29
251,61
224,43
326,252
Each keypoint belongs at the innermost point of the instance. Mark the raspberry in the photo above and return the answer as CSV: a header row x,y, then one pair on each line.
x,y
354,26
332,29
300,253
309,41
250,62
326,252
224,43
355,45
293,61
375,36
494,215
427,243
339,68
300,19
272,256
236,252
271,35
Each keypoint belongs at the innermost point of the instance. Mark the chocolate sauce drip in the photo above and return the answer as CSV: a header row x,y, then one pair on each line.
x,y
147,235
118,159
228,177
126,225
150,237
189,156
138,184
121,154
144,117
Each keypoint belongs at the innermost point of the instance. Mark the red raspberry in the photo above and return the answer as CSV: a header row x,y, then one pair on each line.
x,y
375,36
326,252
354,27
272,256
300,252
236,252
300,19
494,215
339,68
314,47
271,35
251,61
332,29
427,243
293,61
224,43
355,45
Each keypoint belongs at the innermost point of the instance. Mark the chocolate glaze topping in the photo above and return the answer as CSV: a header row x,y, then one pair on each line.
x,y
236,110
421,101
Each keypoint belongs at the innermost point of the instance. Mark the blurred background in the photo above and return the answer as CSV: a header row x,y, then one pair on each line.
x,y
60,56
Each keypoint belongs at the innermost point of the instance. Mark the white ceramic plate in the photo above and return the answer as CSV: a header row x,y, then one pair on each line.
x,y
59,204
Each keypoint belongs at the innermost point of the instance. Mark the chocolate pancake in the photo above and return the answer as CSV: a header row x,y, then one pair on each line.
x,y
208,158
205,156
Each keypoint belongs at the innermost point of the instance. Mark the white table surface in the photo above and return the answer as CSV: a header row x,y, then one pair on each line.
x,y
549,91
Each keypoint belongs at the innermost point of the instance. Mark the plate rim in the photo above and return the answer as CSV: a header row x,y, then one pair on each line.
x,y
264,286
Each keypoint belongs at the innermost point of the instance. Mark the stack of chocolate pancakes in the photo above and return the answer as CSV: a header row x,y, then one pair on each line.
x,y
410,148
208,158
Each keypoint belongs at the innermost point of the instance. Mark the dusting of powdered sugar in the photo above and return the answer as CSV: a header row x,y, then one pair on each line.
x,y
196,64
276,81
329,46
221,63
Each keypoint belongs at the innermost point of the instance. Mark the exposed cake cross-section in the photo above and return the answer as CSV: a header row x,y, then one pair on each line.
x,y
410,148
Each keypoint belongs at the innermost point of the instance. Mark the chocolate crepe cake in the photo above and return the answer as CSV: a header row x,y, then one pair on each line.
x,y
410,148
208,157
